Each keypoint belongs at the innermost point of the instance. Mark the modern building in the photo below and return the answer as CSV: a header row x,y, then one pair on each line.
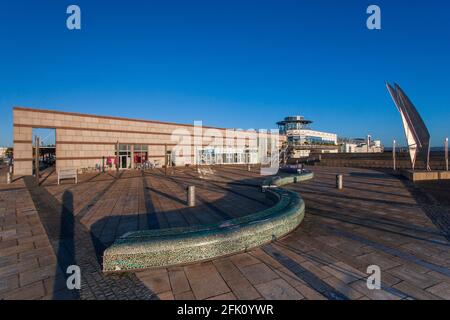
x,y
3,152
303,140
91,142
360,145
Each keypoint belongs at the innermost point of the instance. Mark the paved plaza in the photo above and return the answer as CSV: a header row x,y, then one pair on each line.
x,y
377,219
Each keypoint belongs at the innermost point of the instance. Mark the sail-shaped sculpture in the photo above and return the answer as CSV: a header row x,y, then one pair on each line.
x,y
417,135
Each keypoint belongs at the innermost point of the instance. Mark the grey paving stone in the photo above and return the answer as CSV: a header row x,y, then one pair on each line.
x,y
375,219
441,290
278,289
205,280
258,273
178,281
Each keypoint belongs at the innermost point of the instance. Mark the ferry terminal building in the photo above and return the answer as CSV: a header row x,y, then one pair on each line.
x,y
92,141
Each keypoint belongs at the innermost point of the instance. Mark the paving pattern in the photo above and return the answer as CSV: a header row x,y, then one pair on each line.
x,y
111,207
376,219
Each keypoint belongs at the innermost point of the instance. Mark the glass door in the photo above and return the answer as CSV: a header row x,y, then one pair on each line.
x,y
124,156
123,162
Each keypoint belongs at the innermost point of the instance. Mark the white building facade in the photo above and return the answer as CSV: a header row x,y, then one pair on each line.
x,y
303,140
3,152
362,146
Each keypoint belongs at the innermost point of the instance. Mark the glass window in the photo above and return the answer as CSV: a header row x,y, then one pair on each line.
x,y
124,147
140,148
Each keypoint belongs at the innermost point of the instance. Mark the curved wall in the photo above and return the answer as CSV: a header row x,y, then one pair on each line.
x,y
168,247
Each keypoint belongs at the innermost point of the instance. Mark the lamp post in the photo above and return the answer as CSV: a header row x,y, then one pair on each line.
x,y
393,155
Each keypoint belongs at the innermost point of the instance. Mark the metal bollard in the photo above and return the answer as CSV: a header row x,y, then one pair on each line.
x,y
8,177
339,181
191,196
249,168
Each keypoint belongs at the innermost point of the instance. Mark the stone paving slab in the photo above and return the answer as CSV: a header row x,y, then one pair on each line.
x,y
374,207
205,280
376,219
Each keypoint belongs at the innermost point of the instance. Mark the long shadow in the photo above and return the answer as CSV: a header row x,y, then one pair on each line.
x,y
17,179
255,182
94,176
13,189
296,267
392,251
436,212
97,197
383,176
304,274
331,182
240,194
194,180
200,184
366,217
238,171
53,170
204,213
350,185
307,276
376,201
362,223
152,219
368,175
251,181
58,224
94,179
165,195
66,249
73,244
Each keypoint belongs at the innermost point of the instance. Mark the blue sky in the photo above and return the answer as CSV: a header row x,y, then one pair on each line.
x,y
238,64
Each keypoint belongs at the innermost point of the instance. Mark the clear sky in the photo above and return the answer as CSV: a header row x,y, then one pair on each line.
x,y
237,64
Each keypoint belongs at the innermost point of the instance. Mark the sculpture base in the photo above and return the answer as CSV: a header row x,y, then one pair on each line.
x,y
422,175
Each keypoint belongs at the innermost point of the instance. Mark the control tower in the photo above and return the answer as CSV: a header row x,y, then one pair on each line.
x,y
302,140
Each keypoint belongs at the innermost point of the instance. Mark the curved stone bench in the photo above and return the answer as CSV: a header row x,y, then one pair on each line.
x,y
169,247
275,182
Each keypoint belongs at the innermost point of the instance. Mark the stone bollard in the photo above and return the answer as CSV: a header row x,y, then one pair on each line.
x,y
249,168
8,177
191,196
339,181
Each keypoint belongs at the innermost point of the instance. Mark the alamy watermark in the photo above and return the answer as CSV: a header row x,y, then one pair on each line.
x,y
374,20
374,280
73,21
74,279
207,146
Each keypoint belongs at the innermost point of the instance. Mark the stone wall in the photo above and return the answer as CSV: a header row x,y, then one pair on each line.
x,y
379,160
